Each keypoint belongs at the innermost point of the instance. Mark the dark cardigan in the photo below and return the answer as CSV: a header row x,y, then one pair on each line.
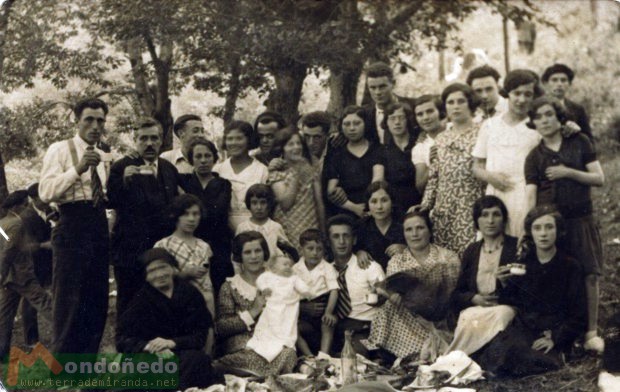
x,y
467,286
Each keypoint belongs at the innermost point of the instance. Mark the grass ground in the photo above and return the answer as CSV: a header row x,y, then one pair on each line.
x,y
581,374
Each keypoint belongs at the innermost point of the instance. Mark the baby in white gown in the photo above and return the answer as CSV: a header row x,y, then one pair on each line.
x,y
277,325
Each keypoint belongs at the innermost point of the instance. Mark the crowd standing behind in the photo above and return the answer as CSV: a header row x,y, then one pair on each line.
x,y
206,251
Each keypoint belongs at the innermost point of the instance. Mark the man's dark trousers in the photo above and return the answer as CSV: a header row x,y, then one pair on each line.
x,y
81,248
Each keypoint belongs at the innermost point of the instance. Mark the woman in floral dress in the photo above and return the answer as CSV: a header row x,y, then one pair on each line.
x,y
297,188
452,188
397,329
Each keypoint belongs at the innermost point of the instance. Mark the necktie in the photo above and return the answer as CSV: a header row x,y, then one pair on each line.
x,y
96,186
343,305
433,154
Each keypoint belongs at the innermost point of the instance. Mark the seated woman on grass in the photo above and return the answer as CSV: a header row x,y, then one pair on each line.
x,y
549,299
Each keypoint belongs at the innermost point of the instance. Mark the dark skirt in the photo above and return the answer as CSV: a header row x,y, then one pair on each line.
x,y
583,242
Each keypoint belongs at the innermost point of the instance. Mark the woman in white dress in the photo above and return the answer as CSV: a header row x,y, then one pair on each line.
x,y
240,168
503,144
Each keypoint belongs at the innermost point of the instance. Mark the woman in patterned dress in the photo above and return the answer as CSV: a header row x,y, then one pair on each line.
x,y
239,306
398,330
452,188
297,188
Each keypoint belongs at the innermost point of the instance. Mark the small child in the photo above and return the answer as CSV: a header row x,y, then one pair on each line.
x,y
322,278
261,201
192,253
277,325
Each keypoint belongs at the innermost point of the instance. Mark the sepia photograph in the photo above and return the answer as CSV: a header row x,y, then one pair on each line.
x,y
310,195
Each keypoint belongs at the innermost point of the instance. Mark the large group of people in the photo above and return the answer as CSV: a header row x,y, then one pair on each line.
x,y
453,221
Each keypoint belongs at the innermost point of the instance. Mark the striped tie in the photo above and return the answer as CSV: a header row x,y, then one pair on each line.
x,y
343,306
96,186
433,154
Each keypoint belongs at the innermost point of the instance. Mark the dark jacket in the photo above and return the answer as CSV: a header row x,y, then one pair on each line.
x,y
578,114
141,205
466,286
39,231
213,226
16,264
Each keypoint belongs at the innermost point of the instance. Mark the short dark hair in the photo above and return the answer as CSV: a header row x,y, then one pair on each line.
x,y
485,202
358,111
560,110
245,128
91,103
425,217
482,72
520,77
261,191
201,141
411,124
472,100
341,220
243,238
536,213
378,70
375,186
556,69
317,119
283,136
181,204
180,122
148,122
309,235
269,116
15,199
435,99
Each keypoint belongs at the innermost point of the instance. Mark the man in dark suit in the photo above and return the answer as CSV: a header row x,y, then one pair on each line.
x,y
17,279
380,82
36,220
140,190
557,79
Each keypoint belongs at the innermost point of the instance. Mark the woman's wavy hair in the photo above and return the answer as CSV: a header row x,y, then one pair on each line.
x,y
243,238
560,111
528,247
425,216
283,136
411,123
488,201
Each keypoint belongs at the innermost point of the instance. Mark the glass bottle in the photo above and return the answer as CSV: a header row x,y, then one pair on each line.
x,y
349,360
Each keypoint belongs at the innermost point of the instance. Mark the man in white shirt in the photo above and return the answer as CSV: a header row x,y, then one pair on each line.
x,y
353,307
484,81
186,127
74,174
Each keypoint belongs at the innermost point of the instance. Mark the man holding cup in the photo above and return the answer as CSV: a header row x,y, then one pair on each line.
x,y
139,189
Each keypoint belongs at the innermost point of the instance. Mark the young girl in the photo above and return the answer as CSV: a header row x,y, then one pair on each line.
x,y
277,325
261,202
192,253
560,171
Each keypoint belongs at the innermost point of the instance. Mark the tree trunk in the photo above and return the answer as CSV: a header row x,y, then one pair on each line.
x,y
234,86
506,45
442,65
162,112
342,89
285,98
5,11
